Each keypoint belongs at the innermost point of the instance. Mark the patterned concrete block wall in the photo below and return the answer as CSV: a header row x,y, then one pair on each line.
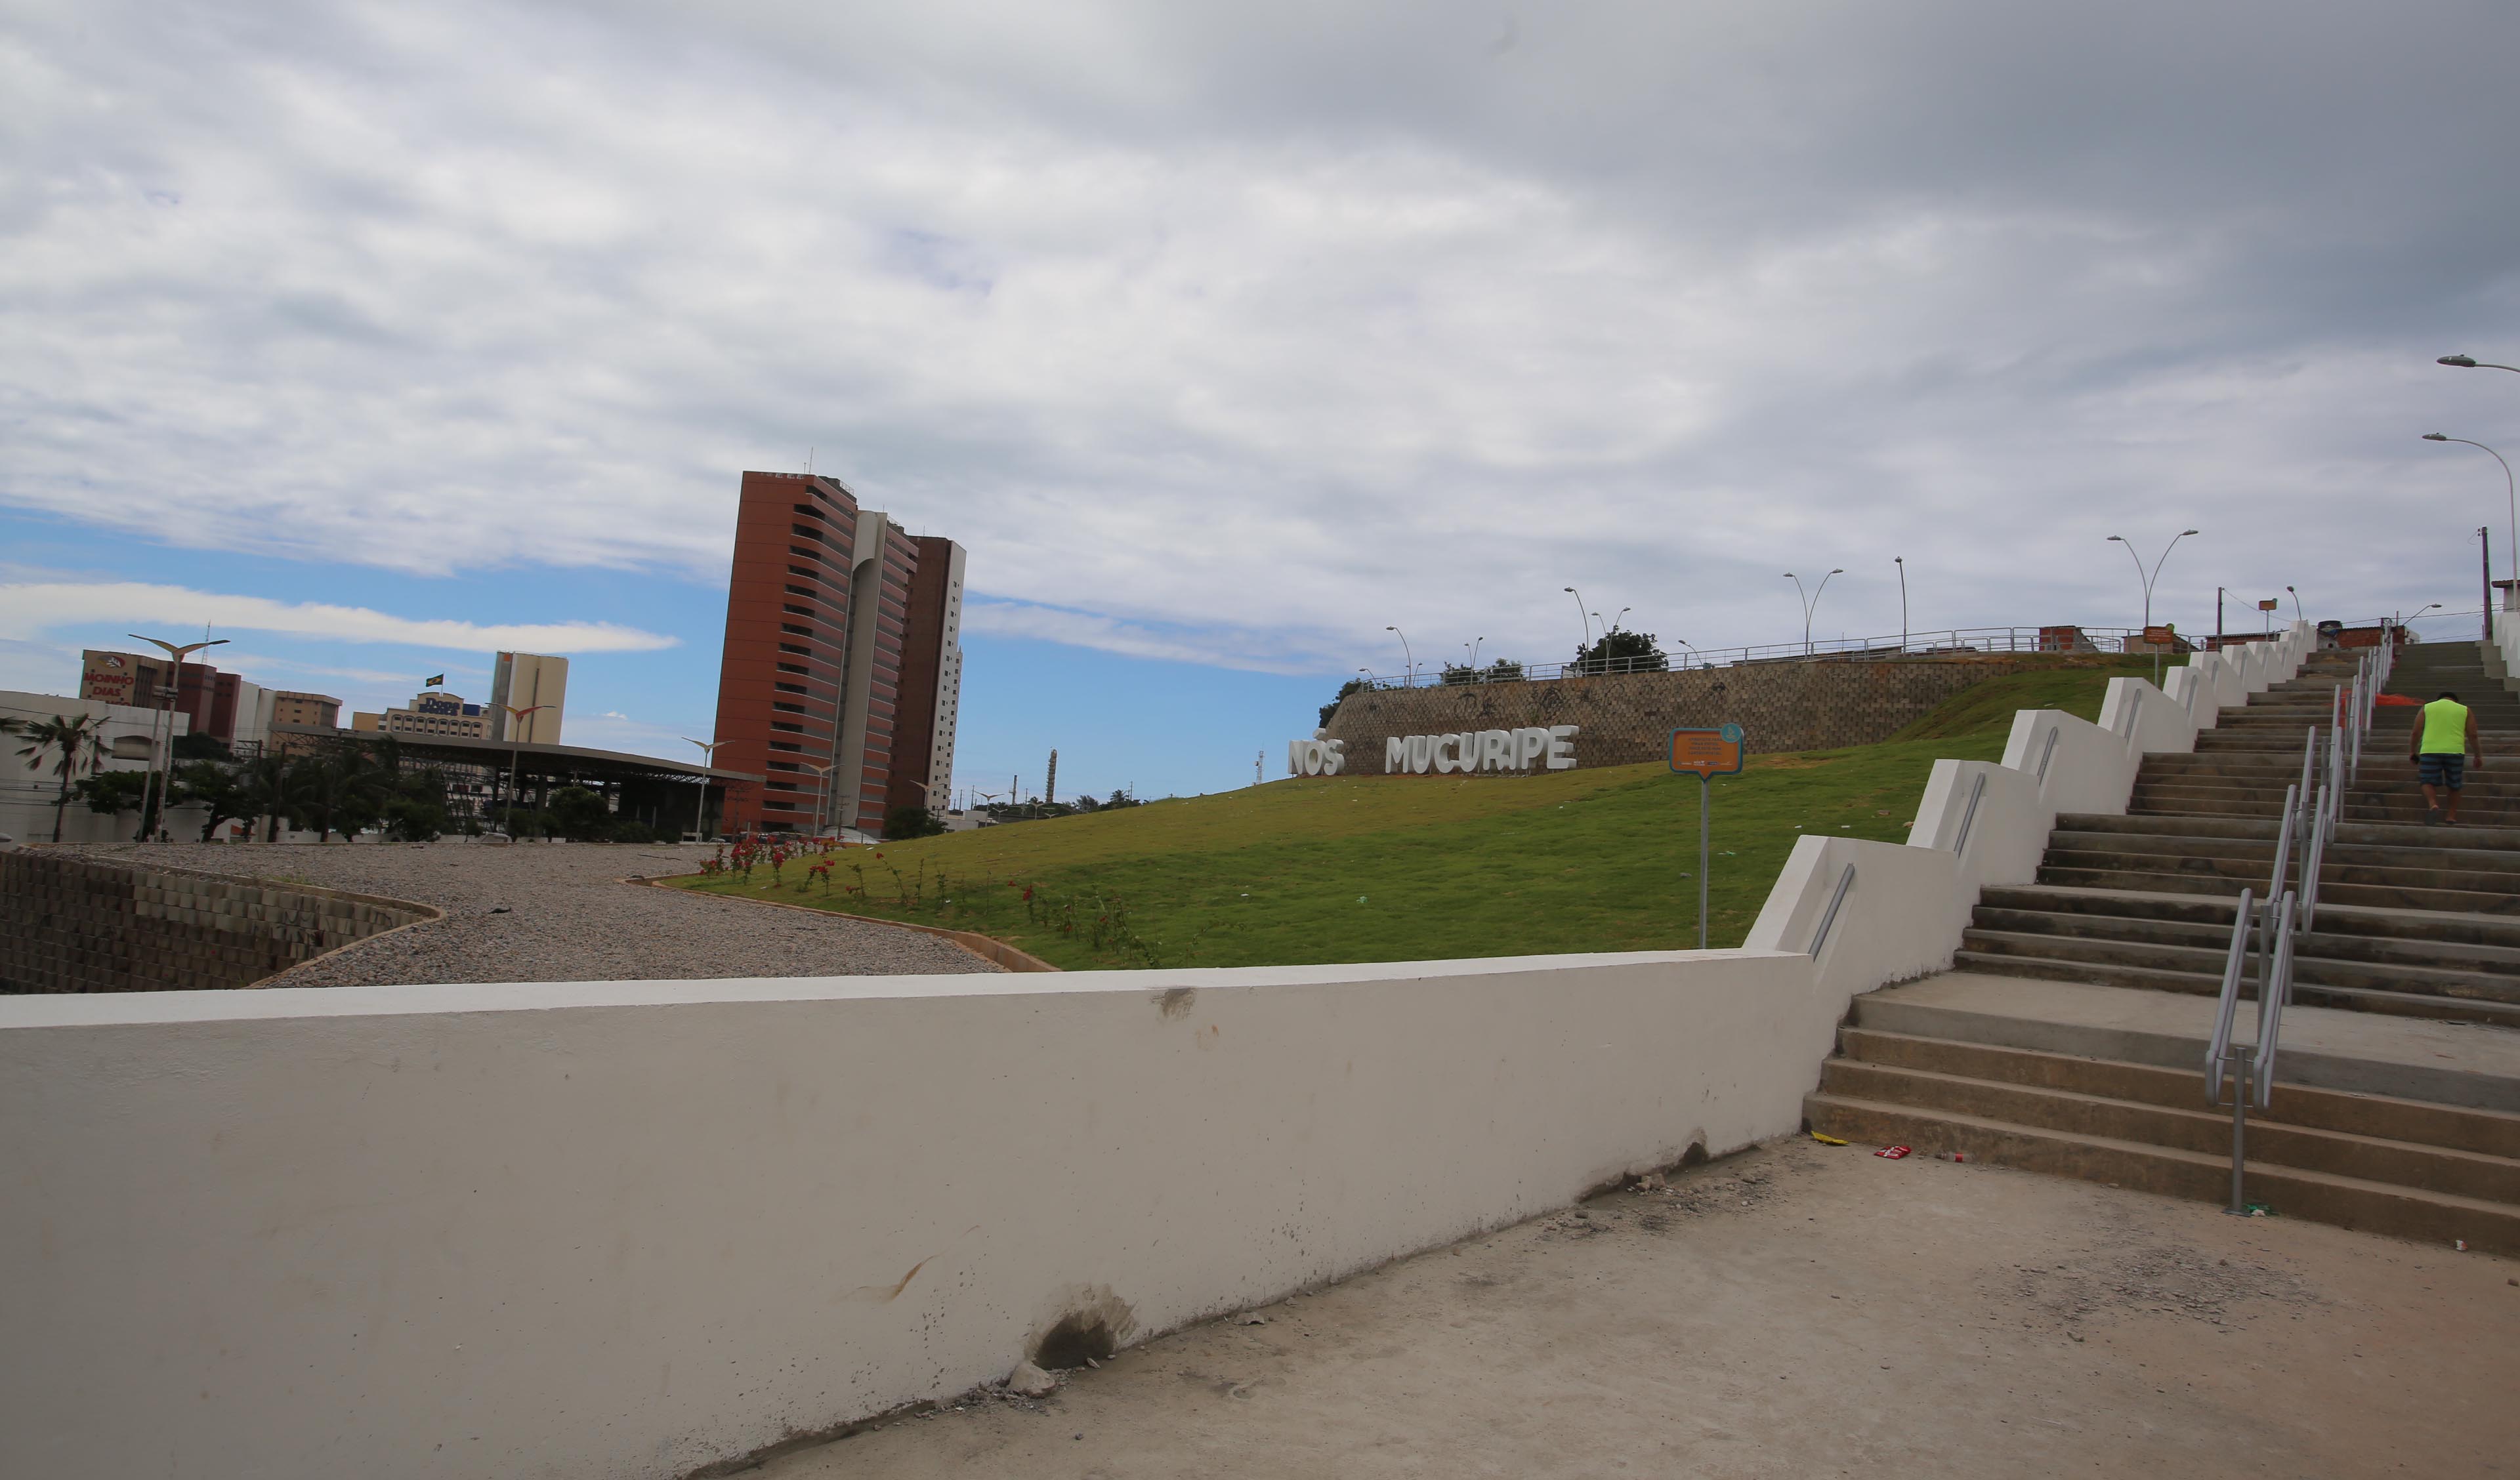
x,y
73,925
1628,717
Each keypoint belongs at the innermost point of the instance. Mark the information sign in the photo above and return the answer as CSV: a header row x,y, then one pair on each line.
x,y
1706,754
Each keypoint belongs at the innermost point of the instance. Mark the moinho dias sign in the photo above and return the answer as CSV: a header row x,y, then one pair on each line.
x,y
1550,748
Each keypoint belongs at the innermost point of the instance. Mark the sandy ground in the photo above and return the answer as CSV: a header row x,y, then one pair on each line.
x,y
1800,1311
557,912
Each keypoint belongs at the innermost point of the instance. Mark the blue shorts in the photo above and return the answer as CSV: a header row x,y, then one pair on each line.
x,y
2444,769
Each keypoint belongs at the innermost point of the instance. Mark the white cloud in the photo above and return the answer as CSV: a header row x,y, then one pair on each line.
x,y
31,607
1234,335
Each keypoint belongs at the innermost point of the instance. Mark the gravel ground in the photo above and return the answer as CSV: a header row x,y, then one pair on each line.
x,y
542,912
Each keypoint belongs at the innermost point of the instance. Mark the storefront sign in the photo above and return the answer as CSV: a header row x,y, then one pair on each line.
x,y
106,678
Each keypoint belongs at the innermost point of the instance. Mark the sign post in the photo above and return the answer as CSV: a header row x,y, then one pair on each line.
x,y
1705,754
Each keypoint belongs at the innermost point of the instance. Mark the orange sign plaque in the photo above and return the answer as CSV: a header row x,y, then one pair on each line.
x,y
1707,752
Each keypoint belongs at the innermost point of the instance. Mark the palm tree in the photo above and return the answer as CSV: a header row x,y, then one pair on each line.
x,y
75,745
347,780
271,780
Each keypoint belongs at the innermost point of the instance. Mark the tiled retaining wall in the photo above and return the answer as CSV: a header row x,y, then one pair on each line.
x,y
1628,717
73,925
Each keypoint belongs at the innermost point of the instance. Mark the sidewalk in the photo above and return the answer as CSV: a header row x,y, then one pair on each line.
x,y
1803,1311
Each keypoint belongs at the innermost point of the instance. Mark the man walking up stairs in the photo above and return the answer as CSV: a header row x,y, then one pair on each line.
x,y
2070,1037
2444,733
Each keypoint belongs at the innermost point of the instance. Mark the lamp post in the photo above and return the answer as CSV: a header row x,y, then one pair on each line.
x,y
1581,615
2462,361
2296,604
823,788
1410,681
160,781
2148,578
709,760
1621,617
1900,561
2509,498
515,749
1810,603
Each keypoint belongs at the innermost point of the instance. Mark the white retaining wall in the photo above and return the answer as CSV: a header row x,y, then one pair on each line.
x,y
629,1229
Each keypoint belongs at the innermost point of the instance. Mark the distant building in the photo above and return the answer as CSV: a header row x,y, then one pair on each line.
x,y
28,788
434,712
842,652
222,705
523,681
288,707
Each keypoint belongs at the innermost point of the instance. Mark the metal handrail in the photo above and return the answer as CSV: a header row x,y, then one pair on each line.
x,y
1820,937
2217,1051
2312,859
2273,991
2283,840
1968,817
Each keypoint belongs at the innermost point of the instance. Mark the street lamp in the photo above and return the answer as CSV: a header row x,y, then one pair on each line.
x,y
2148,578
1810,603
163,781
515,748
1900,561
823,788
708,759
2464,363
2296,604
1581,615
1412,680
2507,494
1621,617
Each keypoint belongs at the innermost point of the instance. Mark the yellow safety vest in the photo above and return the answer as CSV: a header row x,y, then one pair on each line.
x,y
2445,728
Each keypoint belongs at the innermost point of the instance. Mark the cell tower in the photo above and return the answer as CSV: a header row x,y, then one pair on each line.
x,y
1049,788
1259,759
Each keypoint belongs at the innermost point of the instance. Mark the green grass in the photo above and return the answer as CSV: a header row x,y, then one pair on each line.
x,y
1374,868
1987,708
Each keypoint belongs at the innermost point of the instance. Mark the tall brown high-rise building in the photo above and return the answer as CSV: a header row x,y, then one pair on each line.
x,y
821,643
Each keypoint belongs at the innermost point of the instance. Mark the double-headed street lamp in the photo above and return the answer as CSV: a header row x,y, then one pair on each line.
x,y
2149,577
709,760
163,781
515,751
1811,603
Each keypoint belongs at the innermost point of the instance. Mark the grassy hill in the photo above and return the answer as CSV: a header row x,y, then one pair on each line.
x,y
1374,868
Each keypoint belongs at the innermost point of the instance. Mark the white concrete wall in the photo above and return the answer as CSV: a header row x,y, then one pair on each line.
x,y
629,1229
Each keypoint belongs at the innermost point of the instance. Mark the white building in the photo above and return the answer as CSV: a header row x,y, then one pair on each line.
x,y
28,788
523,681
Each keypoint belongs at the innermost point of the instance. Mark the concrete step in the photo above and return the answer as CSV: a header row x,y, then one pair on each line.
x,y
2323,1197
2251,865
2205,958
2335,946
2189,1126
2443,854
2175,875
2437,1062
2197,984
2488,1133
2502,931
2360,834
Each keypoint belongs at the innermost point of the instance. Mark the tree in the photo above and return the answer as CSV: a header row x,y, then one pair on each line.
x,y
198,746
75,747
342,787
1352,686
902,824
271,784
580,814
1617,652
413,819
219,789
110,793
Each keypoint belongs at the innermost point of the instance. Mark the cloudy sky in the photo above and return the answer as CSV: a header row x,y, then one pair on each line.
x,y
382,336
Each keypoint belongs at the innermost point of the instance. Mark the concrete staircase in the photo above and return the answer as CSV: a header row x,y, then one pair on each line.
x,y
2418,933
2407,1129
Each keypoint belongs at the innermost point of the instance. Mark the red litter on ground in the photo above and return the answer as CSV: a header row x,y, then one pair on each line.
x,y
1892,1153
